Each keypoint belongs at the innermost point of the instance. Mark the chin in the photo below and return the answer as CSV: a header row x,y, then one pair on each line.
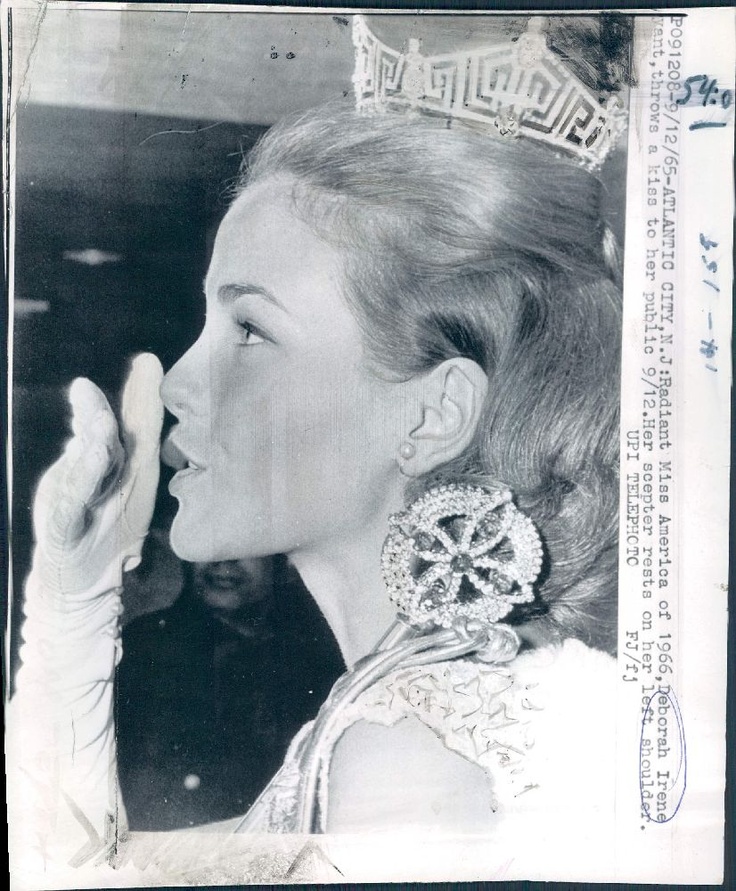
x,y
198,542
190,544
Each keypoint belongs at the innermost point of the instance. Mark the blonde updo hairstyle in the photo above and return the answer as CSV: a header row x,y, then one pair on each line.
x,y
460,243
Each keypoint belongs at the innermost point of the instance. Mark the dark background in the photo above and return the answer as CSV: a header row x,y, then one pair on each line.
x,y
153,207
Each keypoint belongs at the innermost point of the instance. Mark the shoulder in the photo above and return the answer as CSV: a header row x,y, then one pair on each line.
x,y
404,777
417,750
449,744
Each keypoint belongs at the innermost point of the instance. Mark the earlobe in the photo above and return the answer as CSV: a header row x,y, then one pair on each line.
x,y
452,397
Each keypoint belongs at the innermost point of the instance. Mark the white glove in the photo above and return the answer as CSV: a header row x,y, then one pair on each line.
x,y
93,507
91,515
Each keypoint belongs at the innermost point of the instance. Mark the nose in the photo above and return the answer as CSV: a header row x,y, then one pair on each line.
x,y
182,385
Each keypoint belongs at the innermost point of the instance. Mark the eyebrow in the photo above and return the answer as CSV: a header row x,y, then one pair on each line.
x,y
227,294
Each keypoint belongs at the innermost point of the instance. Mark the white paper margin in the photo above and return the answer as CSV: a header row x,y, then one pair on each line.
x,y
693,433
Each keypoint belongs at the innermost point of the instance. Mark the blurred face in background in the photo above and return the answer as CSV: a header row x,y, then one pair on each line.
x,y
231,585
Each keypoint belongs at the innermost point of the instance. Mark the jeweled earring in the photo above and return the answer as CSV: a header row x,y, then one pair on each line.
x,y
460,552
407,451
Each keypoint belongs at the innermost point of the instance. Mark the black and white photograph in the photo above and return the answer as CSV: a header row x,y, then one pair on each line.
x,y
368,411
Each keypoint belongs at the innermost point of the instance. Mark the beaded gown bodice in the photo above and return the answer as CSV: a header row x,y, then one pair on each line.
x,y
520,722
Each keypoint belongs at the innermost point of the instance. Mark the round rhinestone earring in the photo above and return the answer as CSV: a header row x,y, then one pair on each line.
x,y
460,551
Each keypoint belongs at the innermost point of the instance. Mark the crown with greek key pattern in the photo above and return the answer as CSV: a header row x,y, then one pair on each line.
x,y
514,89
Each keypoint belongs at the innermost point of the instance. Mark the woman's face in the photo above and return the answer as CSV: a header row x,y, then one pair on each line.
x,y
286,441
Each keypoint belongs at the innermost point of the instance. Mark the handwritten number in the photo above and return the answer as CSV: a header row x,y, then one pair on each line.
x,y
712,266
707,243
708,89
683,100
708,348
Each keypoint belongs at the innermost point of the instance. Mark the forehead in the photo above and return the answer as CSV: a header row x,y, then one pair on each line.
x,y
261,241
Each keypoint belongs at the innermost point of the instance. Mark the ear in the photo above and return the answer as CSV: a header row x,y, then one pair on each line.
x,y
450,404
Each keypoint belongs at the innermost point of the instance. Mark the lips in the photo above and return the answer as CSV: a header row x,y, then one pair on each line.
x,y
226,576
178,457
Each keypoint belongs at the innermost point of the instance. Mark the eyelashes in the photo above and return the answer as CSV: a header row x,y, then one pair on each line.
x,y
249,335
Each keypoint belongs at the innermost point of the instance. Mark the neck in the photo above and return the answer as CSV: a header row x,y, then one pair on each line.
x,y
348,587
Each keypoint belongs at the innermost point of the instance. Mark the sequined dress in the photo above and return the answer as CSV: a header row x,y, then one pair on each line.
x,y
529,725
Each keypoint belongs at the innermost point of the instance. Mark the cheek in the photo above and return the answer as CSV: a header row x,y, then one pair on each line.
x,y
302,446
331,433
240,413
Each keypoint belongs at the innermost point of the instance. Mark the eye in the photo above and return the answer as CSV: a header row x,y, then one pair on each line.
x,y
249,335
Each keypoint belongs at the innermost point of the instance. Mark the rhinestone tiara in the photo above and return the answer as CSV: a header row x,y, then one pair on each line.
x,y
513,89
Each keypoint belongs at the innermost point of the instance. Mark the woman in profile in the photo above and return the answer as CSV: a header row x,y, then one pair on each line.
x,y
407,383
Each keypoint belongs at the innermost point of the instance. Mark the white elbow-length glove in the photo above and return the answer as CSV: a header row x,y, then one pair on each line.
x,y
91,515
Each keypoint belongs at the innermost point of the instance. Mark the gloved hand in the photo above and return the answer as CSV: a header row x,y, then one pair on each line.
x,y
93,507
91,515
